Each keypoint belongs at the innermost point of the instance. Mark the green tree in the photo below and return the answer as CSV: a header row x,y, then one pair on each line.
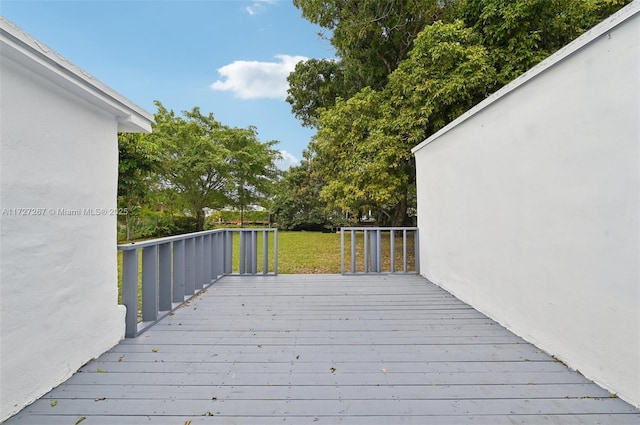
x,y
371,38
195,162
363,144
408,69
138,160
315,84
521,33
252,169
297,204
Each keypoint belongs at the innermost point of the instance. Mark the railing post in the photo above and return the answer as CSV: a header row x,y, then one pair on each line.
x,y
416,243
190,266
243,259
366,251
342,250
130,291
265,252
254,252
149,283
374,236
164,266
220,258
404,250
392,248
206,255
199,263
178,271
354,235
228,252
275,251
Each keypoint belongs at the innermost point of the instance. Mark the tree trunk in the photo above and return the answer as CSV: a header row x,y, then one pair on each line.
x,y
200,220
400,213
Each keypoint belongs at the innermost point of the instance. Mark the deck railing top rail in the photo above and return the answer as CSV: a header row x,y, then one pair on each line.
x,y
167,239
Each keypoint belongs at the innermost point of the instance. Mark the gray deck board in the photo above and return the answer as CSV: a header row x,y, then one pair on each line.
x,y
327,349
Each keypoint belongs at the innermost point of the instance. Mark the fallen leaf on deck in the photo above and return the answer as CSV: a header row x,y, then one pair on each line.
x,y
53,403
80,420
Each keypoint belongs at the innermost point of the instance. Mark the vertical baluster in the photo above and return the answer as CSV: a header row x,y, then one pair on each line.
x,y
242,252
228,251
342,250
220,257
178,271
392,248
353,251
265,252
190,266
366,251
199,261
378,250
130,290
149,283
275,251
206,259
404,250
164,257
254,252
416,243
215,256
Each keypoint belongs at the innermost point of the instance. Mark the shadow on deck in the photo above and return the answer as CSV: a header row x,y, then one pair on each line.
x,y
326,349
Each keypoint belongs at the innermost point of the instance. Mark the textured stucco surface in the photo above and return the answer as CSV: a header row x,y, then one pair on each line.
x,y
529,208
58,287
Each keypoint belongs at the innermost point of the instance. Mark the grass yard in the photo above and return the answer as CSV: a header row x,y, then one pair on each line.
x,y
308,252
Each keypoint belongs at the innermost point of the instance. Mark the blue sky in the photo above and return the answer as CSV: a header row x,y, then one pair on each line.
x,y
229,57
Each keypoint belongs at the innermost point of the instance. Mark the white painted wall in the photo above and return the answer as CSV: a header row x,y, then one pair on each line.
x,y
58,273
528,206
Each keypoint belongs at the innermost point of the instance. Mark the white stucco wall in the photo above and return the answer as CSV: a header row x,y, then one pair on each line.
x,y
528,206
58,271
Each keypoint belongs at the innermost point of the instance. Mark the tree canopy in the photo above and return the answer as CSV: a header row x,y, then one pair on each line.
x,y
192,162
406,68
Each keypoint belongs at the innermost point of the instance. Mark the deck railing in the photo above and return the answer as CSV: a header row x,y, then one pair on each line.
x,y
175,268
380,250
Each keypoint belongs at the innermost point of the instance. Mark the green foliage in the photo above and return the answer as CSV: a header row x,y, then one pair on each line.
x,y
298,206
225,217
315,84
405,69
194,159
372,37
148,224
447,72
138,160
252,168
521,33
209,165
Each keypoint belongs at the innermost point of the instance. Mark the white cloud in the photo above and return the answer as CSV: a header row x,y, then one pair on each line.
x,y
258,6
287,161
254,80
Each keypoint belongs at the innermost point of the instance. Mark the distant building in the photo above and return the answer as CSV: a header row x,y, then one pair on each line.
x,y
59,173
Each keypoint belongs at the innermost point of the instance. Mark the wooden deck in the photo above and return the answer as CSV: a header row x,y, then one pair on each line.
x,y
326,349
